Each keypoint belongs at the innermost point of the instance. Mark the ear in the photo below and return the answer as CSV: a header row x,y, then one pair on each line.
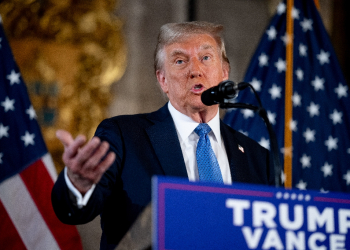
x,y
161,79
225,71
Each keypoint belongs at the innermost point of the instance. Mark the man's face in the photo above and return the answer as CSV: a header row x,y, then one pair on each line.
x,y
190,67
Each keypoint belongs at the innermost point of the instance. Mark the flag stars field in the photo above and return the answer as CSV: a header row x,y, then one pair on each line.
x,y
280,65
346,177
281,8
1,155
271,33
256,84
313,109
318,83
309,135
327,169
28,139
301,185
341,90
323,57
8,104
275,91
331,143
306,24
4,131
300,74
336,117
14,77
305,161
31,112
302,50
320,99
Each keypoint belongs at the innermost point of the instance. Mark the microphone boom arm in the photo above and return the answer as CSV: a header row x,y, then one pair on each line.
x,y
273,139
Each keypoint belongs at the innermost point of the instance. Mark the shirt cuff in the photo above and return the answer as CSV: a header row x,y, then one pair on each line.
x,y
80,200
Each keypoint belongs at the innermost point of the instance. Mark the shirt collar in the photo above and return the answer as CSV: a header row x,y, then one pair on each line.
x,y
185,125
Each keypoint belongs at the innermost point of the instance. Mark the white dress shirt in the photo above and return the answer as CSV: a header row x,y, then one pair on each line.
x,y
185,127
188,141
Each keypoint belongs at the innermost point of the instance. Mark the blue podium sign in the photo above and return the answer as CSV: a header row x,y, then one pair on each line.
x,y
196,215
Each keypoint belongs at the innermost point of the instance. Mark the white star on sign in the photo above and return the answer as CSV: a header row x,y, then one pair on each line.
x,y
295,13
341,90
31,112
256,84
327,169
272,117
309,135
281,8
265,143
14,77
318,83
347,177
275,91
313,109
301,185
247,113
271,33
280,65
331,143
300,74
302,50
336,117
4,131
1,155
305,161
296,99
323,57
263,60
28,139
8,104
348,151
306,24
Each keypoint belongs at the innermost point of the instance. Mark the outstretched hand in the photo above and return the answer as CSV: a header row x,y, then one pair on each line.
x,y
85,163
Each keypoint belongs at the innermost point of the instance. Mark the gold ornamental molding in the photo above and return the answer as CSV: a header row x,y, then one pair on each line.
x,y
69,52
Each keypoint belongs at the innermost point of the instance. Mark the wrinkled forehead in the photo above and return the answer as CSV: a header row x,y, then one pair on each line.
x,y
200,42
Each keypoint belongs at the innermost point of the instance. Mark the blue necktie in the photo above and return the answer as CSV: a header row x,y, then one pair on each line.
x,y
208,166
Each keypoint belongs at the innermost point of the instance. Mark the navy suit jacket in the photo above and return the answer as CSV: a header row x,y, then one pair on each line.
x,y
147,145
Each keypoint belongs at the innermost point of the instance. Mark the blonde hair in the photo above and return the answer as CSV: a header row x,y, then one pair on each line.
x,y
175,32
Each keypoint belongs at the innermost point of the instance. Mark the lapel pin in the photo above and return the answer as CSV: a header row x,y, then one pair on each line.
x,y
241,148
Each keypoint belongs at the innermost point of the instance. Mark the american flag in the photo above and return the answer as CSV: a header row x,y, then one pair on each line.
x,y
321,103
27,173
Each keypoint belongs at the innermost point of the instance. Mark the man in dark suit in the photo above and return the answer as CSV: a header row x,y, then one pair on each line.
x,y
189,58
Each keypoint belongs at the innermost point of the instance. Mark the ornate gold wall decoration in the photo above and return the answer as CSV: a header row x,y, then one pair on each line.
x,y
69,53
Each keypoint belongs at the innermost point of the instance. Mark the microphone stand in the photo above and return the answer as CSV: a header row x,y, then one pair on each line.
x,y
273,139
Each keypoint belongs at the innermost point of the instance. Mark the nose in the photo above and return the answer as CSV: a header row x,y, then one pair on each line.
x,y
195,69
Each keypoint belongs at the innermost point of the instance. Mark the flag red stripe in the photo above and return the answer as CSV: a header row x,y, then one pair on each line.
x,y
9,237
39,185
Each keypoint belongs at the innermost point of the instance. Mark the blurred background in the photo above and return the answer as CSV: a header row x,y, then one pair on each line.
x,y
85,60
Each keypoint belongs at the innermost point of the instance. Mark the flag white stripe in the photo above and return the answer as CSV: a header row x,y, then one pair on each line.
x,y
26,217
50,167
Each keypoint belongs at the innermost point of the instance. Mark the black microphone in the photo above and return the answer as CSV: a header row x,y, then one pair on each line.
x,y
224,90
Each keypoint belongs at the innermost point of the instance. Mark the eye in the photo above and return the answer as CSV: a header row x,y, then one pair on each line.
x,y
206,58
179,61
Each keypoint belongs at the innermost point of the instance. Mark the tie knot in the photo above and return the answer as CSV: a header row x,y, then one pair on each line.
x,y
202,129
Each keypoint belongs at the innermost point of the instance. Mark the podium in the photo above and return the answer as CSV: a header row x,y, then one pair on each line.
x,y
196,215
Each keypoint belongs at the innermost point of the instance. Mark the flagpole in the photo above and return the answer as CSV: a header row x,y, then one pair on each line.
x,y
288,98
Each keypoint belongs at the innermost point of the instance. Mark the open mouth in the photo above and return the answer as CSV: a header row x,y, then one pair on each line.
x,y
198,88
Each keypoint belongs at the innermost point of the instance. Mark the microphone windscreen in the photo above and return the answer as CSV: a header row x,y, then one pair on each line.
x,y
208,98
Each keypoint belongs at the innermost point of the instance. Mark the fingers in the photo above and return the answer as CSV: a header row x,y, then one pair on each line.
x,y
65,137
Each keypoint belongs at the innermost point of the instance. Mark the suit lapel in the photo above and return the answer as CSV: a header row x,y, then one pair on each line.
x,y
237,158
164,139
